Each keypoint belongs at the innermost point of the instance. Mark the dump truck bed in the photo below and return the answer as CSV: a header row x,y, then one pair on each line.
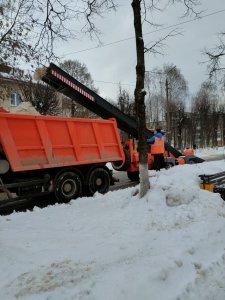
x,y
38,142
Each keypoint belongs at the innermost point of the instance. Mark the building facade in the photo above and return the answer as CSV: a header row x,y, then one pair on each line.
x,y
10,92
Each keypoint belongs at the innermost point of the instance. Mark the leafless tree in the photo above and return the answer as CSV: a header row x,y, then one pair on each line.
x,y
89,9
79,71
45,100
176,94
206,111
29,29
165,102
125,102
155,98
140,9
43,97
216,55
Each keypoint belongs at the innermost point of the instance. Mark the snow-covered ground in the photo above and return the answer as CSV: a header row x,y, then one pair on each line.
x,y
168,245
206,152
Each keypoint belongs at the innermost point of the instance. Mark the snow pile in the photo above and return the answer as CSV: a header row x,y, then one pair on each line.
x,y
24,108
169,245
206,152
39,73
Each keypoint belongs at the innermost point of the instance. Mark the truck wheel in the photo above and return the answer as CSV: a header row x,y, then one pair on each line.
x,y
133,176
122,165
68,186
98,181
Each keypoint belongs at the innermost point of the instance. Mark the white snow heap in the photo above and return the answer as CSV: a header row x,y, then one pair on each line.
x,y
169,245
24,108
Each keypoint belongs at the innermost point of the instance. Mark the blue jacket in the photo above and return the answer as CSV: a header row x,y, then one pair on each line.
x,y
151,140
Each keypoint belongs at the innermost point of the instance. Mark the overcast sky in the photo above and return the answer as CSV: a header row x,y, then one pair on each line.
x,y
116,62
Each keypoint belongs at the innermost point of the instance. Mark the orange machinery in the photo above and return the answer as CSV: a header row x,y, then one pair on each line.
x,y
130,164
64,155
78,92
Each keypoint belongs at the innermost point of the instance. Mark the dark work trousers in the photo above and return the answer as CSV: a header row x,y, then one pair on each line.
x,y
159,162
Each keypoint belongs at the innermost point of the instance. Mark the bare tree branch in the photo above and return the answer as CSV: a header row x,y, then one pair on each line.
x,y
156,47
25,34
216,60
190,6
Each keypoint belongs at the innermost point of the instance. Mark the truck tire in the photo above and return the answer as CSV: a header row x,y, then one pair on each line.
x,y
122,165
98,181
133,176
68,186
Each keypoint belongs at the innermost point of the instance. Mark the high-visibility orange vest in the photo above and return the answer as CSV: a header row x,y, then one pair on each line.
x,y
158,146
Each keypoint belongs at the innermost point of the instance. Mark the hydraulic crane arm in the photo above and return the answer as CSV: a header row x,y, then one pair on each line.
x,y
72,88
76,91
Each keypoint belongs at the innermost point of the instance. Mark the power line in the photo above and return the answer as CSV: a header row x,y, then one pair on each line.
x,y
117,83
147,33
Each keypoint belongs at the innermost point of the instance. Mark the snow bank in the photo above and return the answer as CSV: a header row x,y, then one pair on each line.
x,y
24,108
168,245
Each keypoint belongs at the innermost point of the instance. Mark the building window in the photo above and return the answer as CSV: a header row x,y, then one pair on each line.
x,y
15,99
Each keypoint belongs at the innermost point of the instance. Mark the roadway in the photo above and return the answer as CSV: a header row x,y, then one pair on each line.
x,y
124,181
212,157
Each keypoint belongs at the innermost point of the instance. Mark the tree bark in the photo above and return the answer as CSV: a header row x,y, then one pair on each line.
x,y
139,95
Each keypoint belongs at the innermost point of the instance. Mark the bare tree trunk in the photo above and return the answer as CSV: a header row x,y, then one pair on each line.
x,y
139,95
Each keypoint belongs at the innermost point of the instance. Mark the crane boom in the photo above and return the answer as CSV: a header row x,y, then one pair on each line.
x,y
80,93
76,91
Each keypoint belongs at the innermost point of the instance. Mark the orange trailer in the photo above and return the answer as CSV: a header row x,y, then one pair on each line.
x,y
64,155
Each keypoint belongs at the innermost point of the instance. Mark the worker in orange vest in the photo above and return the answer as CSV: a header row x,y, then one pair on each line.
x,y
157,149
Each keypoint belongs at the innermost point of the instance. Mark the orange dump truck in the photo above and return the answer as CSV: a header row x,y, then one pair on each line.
x,y
66,156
